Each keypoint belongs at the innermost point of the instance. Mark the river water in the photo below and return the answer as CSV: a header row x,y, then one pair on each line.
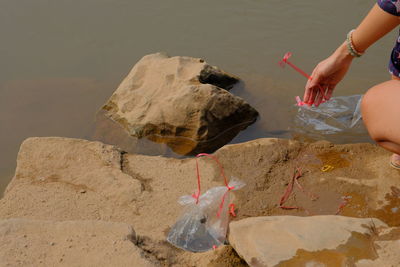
x,y
61,60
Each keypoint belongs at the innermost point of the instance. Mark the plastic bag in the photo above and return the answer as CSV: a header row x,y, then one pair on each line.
x,y
339,117
204,223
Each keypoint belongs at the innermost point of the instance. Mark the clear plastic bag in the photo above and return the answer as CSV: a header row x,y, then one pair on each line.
x,y
339,118
204,223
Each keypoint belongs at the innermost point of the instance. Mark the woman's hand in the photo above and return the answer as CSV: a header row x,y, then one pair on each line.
x,y
326,75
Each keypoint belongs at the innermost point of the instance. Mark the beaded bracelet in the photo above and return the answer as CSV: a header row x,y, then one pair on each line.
x,y
350,46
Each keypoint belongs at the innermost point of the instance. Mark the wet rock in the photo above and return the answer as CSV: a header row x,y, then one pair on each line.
x,y
180,101
109,131
387,248
269,241
47,245
217,77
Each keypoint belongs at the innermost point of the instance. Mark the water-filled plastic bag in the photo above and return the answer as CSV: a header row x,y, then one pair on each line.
x,y
338,118
204,225
204,222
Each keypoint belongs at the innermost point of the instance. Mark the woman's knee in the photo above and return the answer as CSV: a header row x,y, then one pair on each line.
x,y
368,112
379,110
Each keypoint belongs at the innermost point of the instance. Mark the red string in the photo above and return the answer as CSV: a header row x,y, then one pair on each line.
x,y
297,174
221,205
288,191
197,195
343,204
299,70
284,61
310,195
232,209
299,101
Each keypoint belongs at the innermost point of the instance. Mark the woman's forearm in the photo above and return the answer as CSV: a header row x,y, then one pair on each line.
x,y
374,26
329,72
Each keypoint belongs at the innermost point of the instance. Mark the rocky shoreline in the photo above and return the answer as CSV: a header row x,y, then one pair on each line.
x,y
74,202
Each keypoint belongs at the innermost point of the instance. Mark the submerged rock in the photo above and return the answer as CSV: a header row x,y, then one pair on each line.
x,y
180,101
296,241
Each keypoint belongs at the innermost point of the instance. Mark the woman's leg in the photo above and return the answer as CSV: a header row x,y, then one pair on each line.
x,y
381,114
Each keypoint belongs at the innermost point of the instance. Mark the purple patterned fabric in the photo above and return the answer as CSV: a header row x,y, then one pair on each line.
x,y
393,7
390,6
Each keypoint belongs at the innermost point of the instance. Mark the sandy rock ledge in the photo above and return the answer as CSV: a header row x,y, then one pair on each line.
x,y
26,242
70,188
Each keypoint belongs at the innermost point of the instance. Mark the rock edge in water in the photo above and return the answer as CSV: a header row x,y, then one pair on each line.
x,y
180,101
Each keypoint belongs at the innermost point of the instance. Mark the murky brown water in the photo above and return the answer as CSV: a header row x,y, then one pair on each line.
x,y
60,60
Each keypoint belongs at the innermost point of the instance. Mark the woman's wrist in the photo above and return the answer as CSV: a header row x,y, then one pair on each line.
x,y
342,53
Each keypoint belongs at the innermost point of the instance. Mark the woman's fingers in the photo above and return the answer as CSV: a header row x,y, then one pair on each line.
x,y
317,93
330,91
307,95
308,91
320,96
313,95
321,93
308,88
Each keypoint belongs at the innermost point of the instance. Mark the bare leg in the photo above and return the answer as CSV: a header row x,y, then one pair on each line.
x,y
381,114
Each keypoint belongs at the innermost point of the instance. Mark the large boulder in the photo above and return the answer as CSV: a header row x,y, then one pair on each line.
x,y
180,101
300,241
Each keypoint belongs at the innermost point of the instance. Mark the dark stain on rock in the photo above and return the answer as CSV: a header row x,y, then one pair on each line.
x,y
211,75
389,213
